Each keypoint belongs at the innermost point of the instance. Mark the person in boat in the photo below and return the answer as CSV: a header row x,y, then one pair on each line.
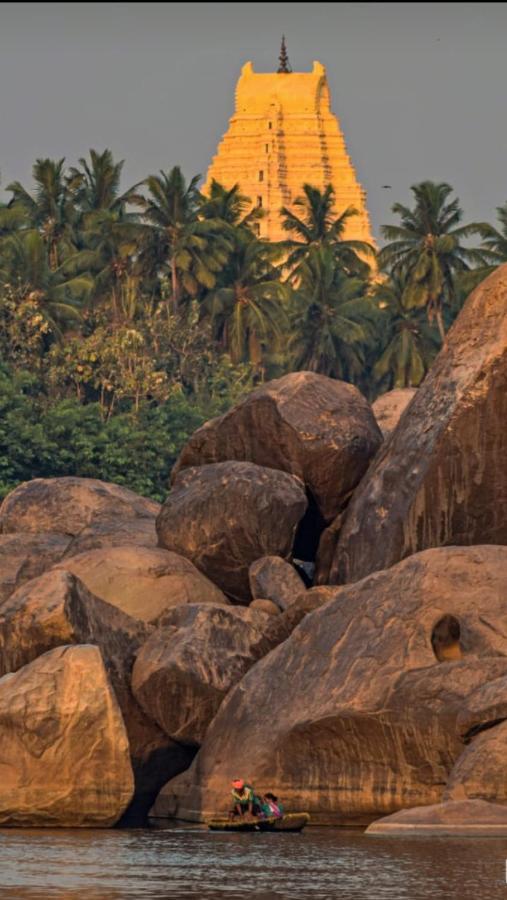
x,y
270,807
244,800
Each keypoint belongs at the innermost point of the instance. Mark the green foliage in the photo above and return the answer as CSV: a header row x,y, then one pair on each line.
x,y
427,249
410,343
129,317
39,440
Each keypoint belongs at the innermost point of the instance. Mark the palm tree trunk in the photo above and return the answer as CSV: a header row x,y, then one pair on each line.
x,y
53,255
175,284
440,324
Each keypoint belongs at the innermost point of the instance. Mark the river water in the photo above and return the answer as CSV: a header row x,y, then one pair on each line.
x,y
191,862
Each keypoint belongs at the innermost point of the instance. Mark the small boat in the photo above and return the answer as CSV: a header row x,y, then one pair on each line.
x,y
289,822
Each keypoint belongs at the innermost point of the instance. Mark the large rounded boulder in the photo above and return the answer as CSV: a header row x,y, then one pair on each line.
x,y
24,556
142,581
64,753
319,429
57,609
389,408
225,516
71,505
355,715
186,668
442,477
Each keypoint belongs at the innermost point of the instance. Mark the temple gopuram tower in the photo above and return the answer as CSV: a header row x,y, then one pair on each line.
x,y
282,135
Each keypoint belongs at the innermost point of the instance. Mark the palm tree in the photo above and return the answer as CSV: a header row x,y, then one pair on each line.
x,y
231,206
427,247
195,248
110,242
95,185
24,264
333,323
12,219
494,241
49,209
410,343
317,225
247,310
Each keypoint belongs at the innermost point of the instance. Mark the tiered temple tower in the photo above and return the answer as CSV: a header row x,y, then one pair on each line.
x,y
282,135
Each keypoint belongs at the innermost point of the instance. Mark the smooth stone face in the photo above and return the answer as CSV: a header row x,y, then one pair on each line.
x,y
57,609
484,708
186,668
266,606
363,697
467,817
389,408
480,771
55,770
24,556
276,579
68,505
442,478
116,533
225,516
141,581
317,428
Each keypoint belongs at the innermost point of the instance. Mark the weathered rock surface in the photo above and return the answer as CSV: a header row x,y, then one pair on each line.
x,y
142,581
266,606
69,505
58,609
362,712
442,478
389,408
481,771
24,556
187,667
317,428
487,706
55,770
225,516
117,533
273,578
467,817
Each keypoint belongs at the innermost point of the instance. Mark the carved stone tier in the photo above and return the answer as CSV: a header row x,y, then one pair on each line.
x,y
281,136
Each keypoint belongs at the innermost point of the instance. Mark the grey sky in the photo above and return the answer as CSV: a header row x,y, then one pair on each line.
x,y
420,88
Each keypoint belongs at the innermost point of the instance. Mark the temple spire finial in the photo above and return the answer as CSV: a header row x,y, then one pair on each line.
x,y
284,67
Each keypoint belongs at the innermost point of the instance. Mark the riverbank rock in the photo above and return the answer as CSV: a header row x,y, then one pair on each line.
x,y
24,556
273,578
55,770
442,478
142,581
363,720
186,668
319,429
57,609
480,771
70,504
225,516
465,817
389,408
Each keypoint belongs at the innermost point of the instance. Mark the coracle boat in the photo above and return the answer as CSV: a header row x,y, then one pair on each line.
x,y
290,822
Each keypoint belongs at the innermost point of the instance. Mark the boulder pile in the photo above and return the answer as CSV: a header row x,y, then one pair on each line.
x,y
314,608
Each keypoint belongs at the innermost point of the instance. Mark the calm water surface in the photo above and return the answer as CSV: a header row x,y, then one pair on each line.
x,y
318,864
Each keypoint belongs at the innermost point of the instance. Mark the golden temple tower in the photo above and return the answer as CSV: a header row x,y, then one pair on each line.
x,y
282,135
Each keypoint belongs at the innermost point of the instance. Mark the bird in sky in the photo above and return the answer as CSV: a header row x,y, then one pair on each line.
x,y
387,187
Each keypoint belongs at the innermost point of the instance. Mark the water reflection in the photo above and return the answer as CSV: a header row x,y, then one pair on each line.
x,y
319,864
